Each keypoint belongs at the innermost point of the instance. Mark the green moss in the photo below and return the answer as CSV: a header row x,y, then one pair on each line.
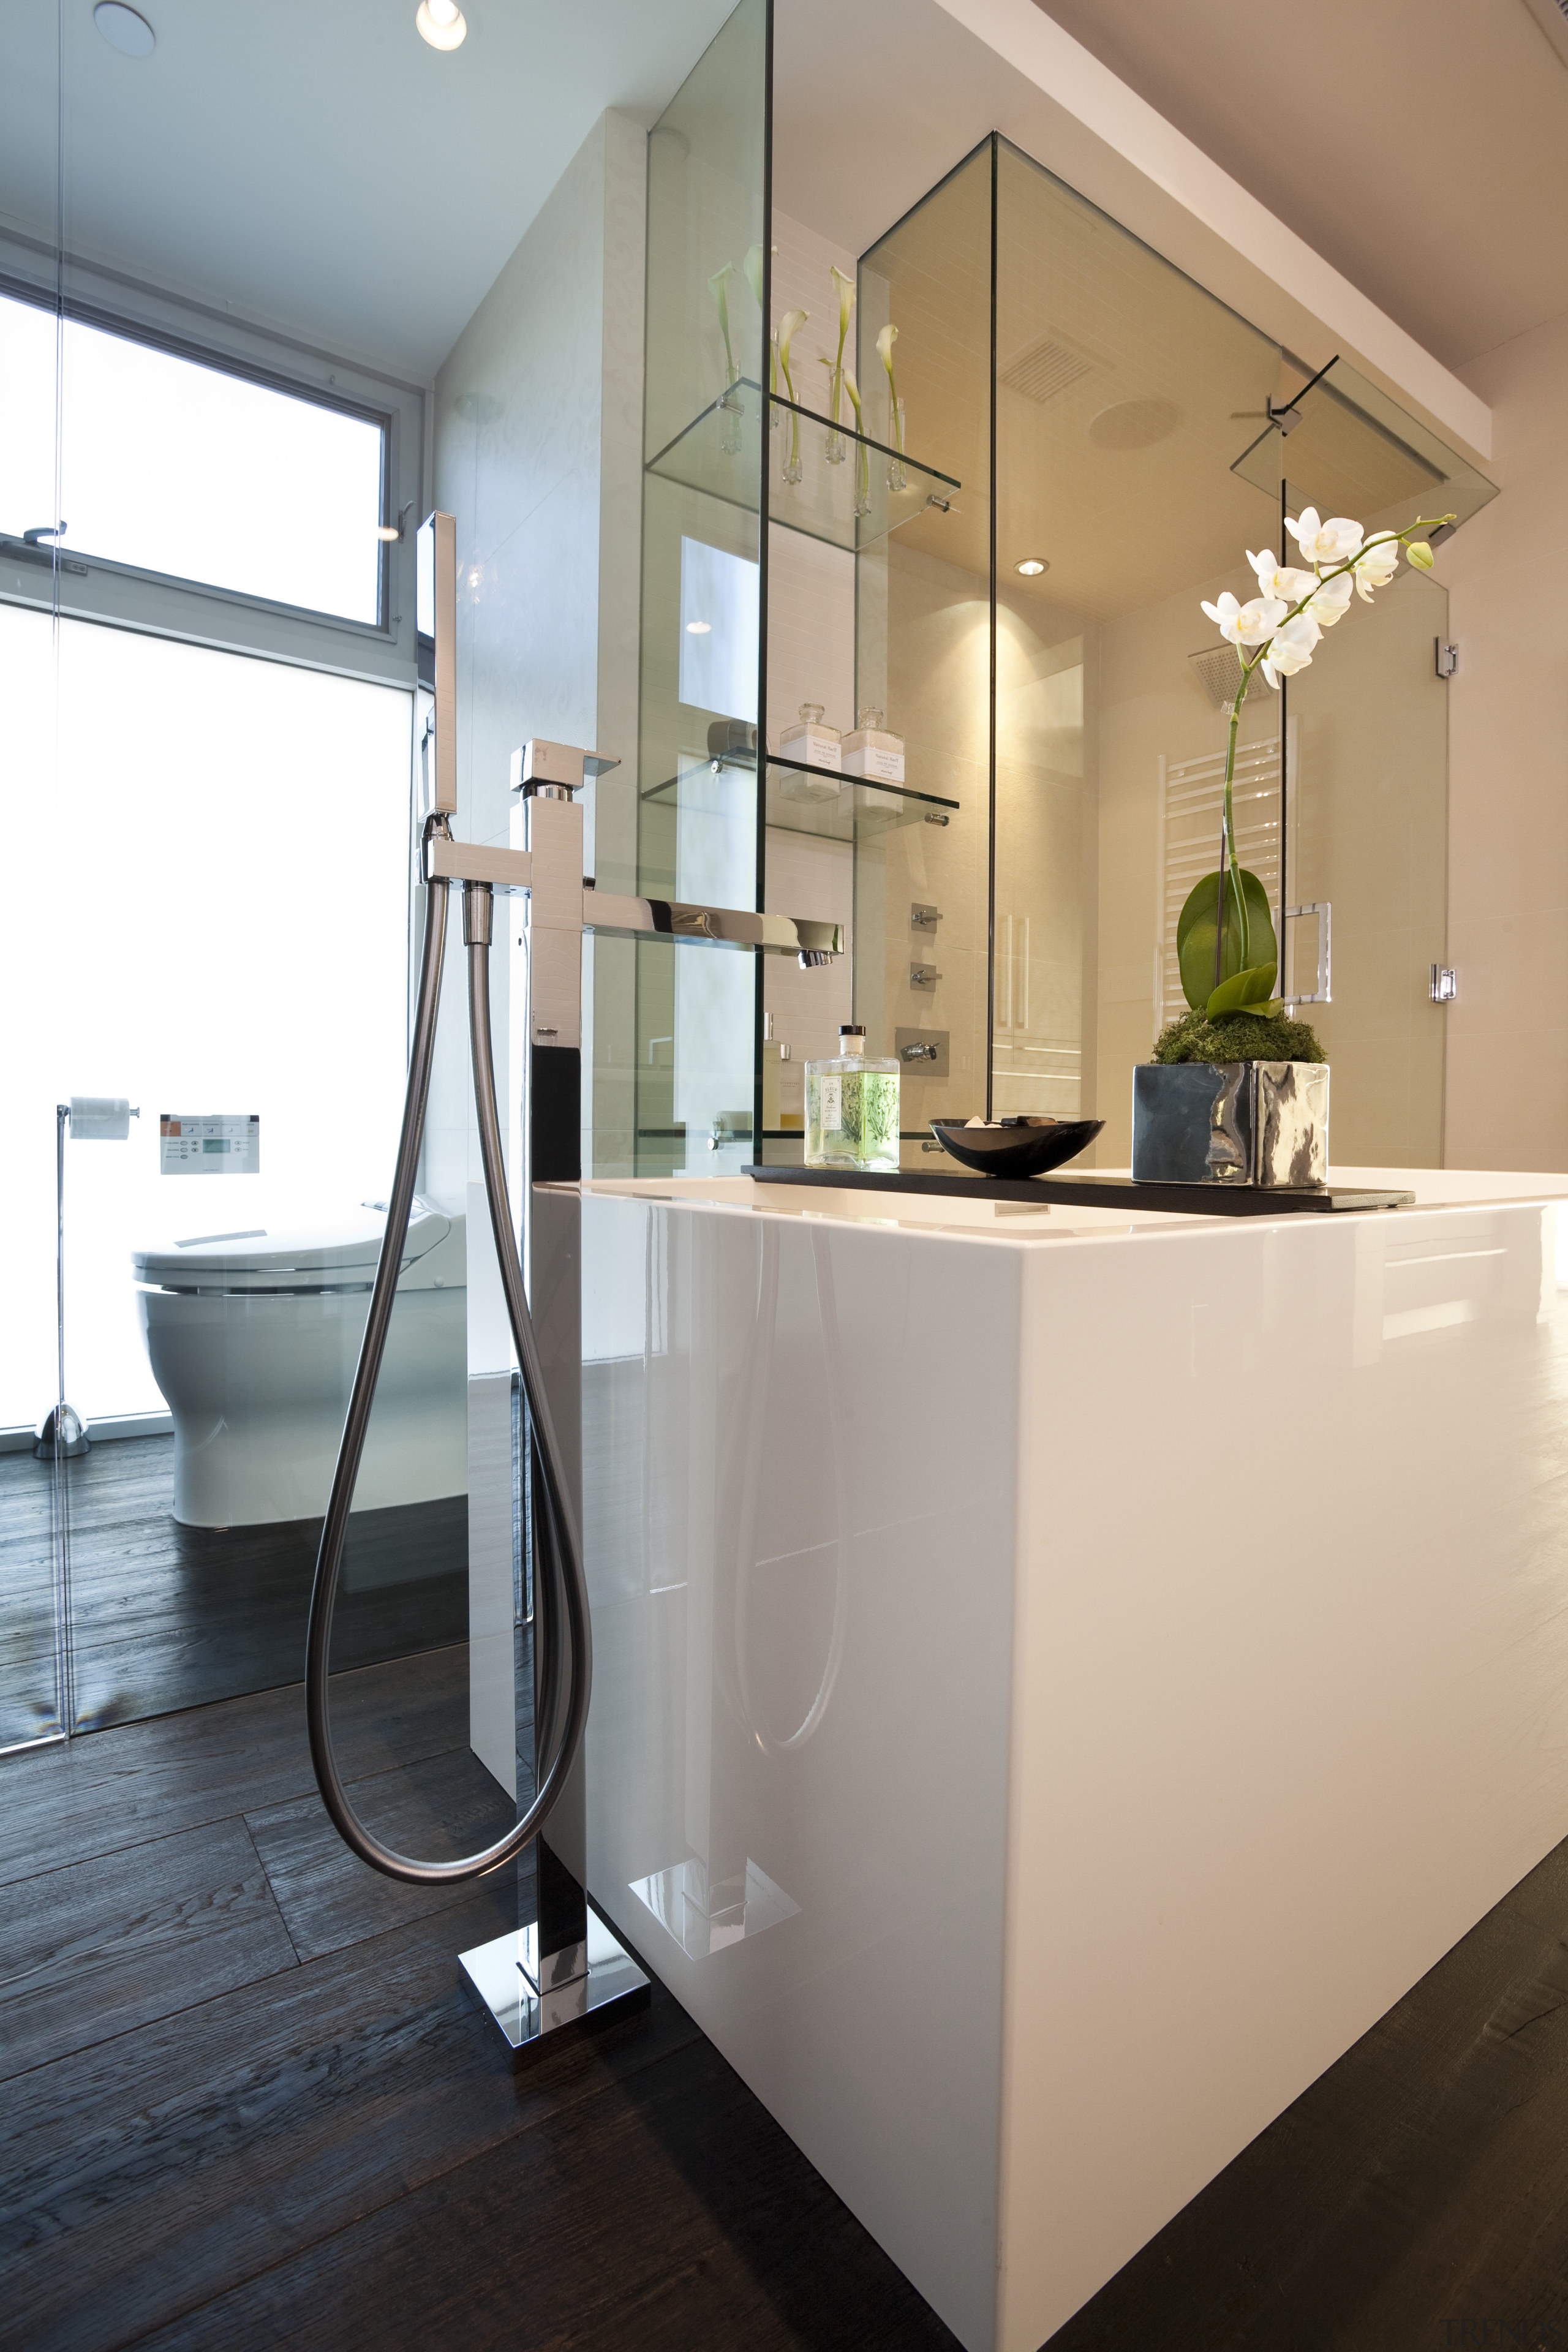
x,y
1237,1037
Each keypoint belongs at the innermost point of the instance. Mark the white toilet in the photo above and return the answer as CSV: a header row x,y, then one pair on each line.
x,y
253,1337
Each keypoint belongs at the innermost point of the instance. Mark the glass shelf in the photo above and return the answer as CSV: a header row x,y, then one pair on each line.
x,y
721,451
822,802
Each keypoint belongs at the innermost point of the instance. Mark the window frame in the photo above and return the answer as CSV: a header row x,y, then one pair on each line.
x,y
93,588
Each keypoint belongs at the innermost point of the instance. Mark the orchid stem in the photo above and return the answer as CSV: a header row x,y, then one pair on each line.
x,y
1230,869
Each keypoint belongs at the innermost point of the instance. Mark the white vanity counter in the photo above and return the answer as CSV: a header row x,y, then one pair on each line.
x,y
1061,1676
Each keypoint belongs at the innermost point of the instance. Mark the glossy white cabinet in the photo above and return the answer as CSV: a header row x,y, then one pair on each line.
x,y
1060,1679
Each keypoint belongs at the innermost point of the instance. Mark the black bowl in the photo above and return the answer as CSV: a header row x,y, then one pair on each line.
x,y
1025,1149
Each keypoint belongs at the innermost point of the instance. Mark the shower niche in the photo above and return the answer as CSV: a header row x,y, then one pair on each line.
x,y
1003,573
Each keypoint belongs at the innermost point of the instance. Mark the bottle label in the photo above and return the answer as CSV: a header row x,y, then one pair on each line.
x,y
830,1105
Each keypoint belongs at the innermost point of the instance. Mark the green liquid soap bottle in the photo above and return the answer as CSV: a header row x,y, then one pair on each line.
x,y
851,1107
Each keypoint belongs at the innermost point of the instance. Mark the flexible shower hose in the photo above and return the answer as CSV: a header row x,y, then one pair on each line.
x,y
561,1611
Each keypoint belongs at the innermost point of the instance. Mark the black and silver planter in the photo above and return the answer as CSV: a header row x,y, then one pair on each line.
x,y
1263,1123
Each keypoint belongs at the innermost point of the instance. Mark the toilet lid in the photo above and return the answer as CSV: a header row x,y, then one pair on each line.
x,y
337,1253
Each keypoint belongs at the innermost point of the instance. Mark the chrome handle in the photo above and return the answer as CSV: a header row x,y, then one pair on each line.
x,y
1323,993
921,1053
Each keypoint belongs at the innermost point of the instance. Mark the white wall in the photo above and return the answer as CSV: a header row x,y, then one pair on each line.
x,y
1507,1078
538,427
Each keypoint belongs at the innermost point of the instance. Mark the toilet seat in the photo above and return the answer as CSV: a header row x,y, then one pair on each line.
x,y
253,1336
288,1261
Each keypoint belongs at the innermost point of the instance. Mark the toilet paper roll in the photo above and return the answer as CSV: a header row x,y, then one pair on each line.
x,y
100,1119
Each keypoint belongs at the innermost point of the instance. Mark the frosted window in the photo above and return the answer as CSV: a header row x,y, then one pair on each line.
x,y
180,942
176,467
719,627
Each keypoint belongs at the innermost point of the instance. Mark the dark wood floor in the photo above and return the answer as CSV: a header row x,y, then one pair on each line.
x,y
243,2103
165,1616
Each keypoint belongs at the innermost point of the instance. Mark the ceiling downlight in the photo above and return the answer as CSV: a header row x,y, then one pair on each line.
x,y
441,23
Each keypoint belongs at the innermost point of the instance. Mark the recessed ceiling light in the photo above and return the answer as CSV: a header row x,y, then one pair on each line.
x,y
1032,566
441,23
124,29
698,628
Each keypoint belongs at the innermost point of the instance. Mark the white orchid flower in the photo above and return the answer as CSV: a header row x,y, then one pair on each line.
x,y
1290,649
885,341
1247,625
1333,541
789,326
1278,579
1376,565
718,286
1333,601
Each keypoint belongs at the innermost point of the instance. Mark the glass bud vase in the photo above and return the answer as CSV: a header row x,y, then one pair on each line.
x,y
733,409
898,472
835,446
790,466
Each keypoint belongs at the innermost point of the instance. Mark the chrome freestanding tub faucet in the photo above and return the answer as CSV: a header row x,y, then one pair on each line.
x,y
568,1965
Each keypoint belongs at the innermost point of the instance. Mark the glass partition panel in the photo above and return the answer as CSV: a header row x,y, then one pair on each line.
x,y
35,1496
1364,454
1368,838
1365,850
1118,383
923,655
218,1258
704,595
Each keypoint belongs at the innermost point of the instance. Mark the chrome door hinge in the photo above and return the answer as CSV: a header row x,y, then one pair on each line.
x,y
1444,984
1447,657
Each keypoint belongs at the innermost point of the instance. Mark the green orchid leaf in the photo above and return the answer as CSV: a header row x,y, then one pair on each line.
x,y
1196,928
1242,992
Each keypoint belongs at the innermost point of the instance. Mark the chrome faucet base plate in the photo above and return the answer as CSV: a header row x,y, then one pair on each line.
x,y
589,1986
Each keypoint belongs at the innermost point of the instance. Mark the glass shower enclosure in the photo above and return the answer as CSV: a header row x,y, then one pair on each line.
x,y
1009,568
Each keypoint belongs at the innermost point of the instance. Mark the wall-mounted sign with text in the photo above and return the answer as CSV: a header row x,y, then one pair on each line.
x,y
209,1146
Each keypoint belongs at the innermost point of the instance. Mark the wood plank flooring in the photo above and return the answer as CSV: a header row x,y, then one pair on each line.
x,y
243,2101
166,1616
244,2104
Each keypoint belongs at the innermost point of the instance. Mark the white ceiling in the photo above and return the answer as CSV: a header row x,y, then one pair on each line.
x,y
313,164
315,167
1421,146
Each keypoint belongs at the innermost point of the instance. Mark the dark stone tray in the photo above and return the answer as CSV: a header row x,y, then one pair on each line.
x,y
1089,1189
